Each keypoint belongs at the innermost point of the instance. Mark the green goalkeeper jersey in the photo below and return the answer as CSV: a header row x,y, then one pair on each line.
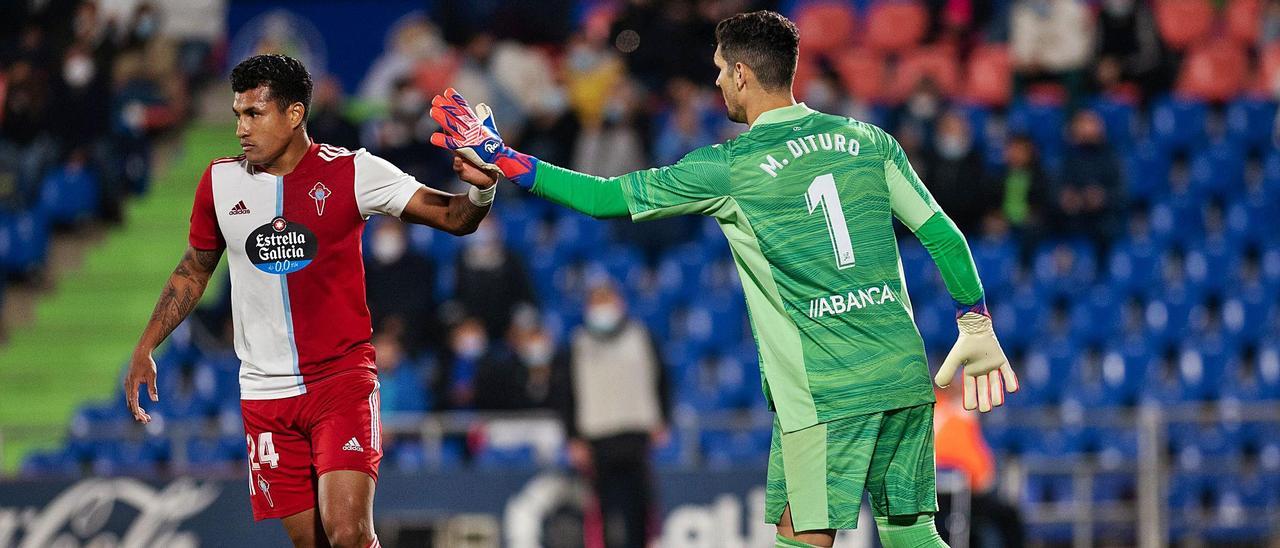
x,y
807,202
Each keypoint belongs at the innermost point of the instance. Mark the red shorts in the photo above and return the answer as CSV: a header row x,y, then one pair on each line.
x,y
293,441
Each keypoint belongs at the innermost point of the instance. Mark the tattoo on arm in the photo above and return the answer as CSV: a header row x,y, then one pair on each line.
x,y
181,293
465,216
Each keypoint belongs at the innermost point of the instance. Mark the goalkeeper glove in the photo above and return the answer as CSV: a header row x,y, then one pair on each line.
x,y
473,135
987,374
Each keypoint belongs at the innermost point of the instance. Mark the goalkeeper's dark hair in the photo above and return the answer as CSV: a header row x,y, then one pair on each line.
x,y
286,79
765,41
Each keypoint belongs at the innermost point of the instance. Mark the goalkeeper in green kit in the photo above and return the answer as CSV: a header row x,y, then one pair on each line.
x,y
806,201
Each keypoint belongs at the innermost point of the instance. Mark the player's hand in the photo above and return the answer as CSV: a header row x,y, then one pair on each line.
x,y
142,370
473,175
473,135
987,374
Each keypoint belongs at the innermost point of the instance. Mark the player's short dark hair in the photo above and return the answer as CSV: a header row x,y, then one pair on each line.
x,y
763,40
285,77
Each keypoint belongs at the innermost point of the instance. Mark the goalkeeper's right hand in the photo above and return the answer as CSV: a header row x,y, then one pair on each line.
x,y
473,135
987,374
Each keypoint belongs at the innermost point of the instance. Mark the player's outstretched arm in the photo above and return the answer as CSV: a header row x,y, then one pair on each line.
x,y
457,214
180,295
473,136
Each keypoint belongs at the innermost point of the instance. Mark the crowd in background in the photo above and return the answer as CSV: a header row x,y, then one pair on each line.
x,y
83,92
611,87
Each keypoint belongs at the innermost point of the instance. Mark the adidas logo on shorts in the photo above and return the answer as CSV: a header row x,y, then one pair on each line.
x,y
353,445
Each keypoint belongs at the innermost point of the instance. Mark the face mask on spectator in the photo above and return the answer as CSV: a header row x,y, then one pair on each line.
x,y
470,345
603,318
388,247
78,71
953,147
537,352
923,105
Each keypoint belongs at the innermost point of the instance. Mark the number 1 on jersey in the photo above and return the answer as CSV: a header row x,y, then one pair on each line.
x,y
823,193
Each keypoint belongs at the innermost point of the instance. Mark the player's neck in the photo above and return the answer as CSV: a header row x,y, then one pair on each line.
x,y
767,103
284,164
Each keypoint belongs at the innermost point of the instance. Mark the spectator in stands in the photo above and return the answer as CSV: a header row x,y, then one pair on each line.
x,y
962,447
1021,190
469,345
615,409
1129,48
519,375
953,171
1090,191
401,285
402,137
491,280
1052,40
402,382
614,143
326,123
23,128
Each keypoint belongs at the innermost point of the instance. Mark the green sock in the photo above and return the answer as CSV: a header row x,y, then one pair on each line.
x,y
784,542
913,531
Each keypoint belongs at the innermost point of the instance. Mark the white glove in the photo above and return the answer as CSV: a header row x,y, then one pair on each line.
x,y
987,374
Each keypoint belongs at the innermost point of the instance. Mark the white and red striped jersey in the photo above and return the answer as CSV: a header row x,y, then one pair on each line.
x,y
293,246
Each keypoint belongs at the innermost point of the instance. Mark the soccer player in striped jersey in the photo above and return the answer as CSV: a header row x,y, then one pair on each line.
x,y
807,202
289,214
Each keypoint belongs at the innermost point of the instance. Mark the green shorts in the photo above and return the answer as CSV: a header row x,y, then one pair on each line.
x,y
822,470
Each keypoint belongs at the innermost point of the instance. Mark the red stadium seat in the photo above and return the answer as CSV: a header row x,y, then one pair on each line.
x,y
989,80
1184,22
1243,18
896,25
934,62
862,73
1268,78
1214,72
825,26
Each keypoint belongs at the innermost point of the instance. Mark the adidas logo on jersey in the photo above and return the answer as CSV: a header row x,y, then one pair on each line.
x,y
240,209
353,445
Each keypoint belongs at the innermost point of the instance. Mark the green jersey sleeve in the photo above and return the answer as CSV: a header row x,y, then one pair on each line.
x,y
915,207
697,184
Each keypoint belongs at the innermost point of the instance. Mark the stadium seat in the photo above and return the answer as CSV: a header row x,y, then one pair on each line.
x,y
1183,22
935,63
863,73
989,78
1044,122
827,26
24,241
895,25
1242,17
1146,168
505,457
1250,123
1178,124
1216,71
1117,115
1268,74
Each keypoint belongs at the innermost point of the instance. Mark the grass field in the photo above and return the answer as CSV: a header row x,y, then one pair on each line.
x,y
85,328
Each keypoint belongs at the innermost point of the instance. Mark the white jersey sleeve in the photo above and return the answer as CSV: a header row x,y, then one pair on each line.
x,y
381,187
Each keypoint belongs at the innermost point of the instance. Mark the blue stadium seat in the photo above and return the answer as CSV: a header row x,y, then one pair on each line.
x,y
997,260
506,457
69,197
1146,167
24,241
1118,118
1218,169
733,449
1248,215
1178,124
1044,122
1250,123
57,462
